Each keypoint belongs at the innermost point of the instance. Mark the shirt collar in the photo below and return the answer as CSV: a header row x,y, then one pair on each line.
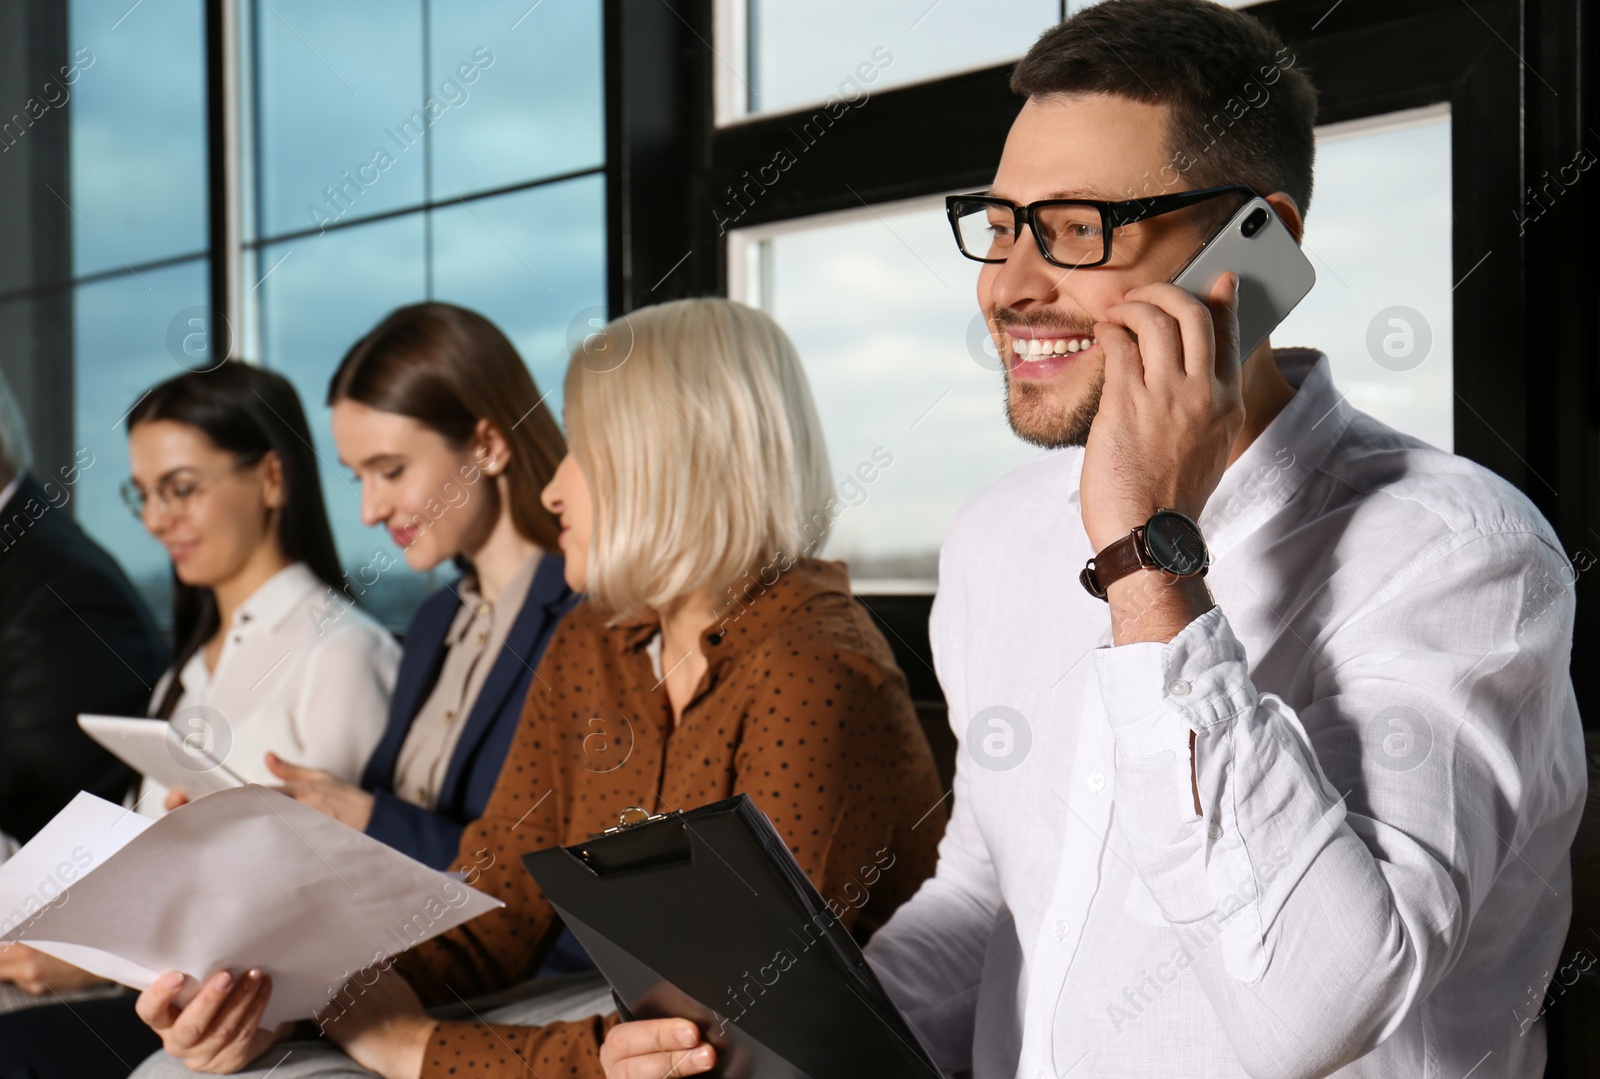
x,y
473,607
277,598
268,607
503,611
1293,446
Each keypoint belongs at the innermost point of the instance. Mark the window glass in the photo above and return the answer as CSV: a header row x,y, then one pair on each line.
x,y
524,86
340,110
326,292
533,263
800,54
882,307
120,331
1378,233
778,55
138,132
883,311
415,109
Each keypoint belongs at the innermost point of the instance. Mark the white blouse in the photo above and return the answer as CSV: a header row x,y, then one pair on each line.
x,y
302,672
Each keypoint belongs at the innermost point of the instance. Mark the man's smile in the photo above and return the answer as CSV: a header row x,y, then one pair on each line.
x,y
1036,355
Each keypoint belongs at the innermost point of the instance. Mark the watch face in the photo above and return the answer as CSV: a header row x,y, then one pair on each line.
x,y
1175,544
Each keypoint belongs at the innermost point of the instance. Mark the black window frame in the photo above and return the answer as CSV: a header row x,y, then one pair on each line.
x,y
1526,406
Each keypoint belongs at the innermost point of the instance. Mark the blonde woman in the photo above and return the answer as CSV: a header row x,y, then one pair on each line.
x,y
714,661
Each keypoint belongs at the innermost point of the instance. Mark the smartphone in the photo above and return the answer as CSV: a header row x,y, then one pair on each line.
x,y
1274,274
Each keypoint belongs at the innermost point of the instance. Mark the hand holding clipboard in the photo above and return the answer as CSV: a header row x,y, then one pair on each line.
x,y
705,915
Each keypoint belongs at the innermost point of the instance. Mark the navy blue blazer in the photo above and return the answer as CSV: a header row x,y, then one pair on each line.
x,y
435,837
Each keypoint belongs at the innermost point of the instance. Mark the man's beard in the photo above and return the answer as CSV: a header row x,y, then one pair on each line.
x,y
1036,417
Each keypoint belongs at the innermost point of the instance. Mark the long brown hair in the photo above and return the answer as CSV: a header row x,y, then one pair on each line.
x,y
447,368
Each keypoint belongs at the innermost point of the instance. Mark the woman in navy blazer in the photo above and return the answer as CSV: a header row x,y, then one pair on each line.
x,y
450,440
433,837
444,427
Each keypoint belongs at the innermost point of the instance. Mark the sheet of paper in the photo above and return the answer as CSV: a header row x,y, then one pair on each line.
x,y
77,839
248,877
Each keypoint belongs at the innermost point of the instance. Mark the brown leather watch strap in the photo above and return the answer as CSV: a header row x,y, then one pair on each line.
x,y
1114,563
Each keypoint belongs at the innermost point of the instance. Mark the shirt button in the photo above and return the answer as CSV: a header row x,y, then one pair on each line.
x,y
1063,927
1038,1073
1179,688
1097,781
482,637
449,718
422,794
1215,831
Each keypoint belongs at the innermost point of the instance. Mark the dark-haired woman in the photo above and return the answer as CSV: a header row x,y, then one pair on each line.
x,y
272,655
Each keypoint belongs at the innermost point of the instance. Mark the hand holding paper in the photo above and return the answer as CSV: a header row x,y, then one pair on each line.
x,y
219,1030
239,879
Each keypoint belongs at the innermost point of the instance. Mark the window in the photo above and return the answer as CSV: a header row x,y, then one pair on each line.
x,y
883,310
391,151
1378,234
775,56
140,250
800,54
138,135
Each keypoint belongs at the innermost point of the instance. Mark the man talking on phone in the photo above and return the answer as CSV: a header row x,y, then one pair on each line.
x,y
1270,756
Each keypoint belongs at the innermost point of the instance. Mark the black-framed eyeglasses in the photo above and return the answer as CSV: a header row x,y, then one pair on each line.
x,y
1071,233
173,494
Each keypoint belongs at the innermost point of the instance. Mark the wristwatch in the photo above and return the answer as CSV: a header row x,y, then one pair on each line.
x,y
1168,541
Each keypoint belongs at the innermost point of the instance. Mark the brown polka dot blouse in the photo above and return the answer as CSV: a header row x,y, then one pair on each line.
x,y
801,707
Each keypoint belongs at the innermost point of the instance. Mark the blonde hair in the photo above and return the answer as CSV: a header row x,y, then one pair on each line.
x,y
694,426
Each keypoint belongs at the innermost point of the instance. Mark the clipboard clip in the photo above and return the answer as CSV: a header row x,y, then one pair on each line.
x,y
639,840
632,817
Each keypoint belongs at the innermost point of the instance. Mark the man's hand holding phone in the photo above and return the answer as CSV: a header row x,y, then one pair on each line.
x,y
1170,410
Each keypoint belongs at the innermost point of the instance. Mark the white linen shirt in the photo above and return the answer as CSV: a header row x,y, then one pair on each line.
x,y
302,672
1388,757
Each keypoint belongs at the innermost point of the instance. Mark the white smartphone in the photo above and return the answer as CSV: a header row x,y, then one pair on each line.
x,y
1274,274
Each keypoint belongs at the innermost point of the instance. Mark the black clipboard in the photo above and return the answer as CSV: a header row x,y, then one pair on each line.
x,y
705,915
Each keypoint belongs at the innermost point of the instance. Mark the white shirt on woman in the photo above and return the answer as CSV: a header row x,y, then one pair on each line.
x,y
302,672
1389,762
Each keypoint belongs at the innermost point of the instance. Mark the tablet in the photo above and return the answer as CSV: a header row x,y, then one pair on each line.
x,y
155,749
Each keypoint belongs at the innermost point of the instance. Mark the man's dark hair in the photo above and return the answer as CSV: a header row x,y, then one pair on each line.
x,y
1241,110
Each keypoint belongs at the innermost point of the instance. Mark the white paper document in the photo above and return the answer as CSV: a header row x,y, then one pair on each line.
x,y
242,878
